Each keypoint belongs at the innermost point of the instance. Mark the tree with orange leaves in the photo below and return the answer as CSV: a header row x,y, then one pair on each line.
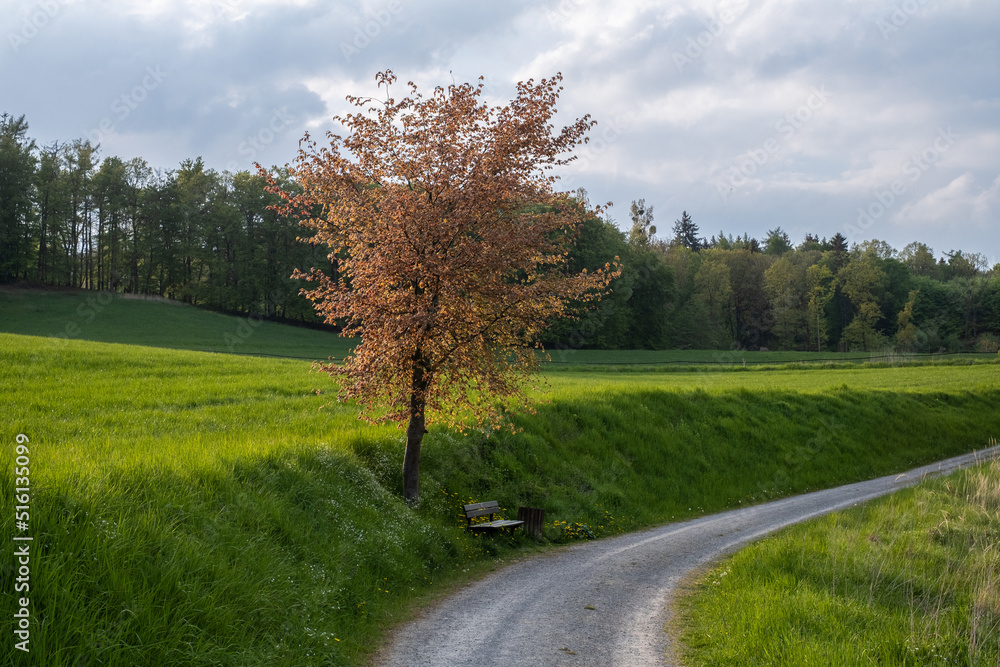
x,y
450,248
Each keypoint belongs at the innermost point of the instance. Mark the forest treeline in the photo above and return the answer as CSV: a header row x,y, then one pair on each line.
x,y
726,292
69,218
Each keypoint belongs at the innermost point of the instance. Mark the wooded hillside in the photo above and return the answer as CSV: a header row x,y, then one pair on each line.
x,y
70,218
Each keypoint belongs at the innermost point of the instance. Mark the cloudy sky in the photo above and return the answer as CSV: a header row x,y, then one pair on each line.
x,y
872,118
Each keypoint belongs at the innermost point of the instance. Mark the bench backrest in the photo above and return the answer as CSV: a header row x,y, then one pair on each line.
x,y
481,509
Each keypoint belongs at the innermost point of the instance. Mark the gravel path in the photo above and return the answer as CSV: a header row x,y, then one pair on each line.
x,y
604,603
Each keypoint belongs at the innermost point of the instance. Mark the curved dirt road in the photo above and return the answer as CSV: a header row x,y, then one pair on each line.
x,y
604,603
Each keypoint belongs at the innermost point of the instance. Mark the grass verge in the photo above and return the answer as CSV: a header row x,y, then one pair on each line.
x,y
911,579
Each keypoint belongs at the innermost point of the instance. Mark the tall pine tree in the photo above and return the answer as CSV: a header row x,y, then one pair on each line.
x,y
686,233
17,173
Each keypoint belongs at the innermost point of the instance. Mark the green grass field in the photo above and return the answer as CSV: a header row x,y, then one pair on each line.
x,y
666,360
911,579
120,318
206,508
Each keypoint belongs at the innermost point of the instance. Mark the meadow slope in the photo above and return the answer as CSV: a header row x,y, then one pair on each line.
x,y
69,314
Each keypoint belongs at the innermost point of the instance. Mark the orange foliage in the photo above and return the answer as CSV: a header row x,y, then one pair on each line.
x,y
450,246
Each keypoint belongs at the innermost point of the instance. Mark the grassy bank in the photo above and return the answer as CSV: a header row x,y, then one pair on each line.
x,y
911,579
192,508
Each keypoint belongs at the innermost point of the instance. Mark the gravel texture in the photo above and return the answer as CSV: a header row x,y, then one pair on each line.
x,y
605,603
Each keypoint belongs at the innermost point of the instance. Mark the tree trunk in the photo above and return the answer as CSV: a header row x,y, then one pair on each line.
x,y
411,459
415,430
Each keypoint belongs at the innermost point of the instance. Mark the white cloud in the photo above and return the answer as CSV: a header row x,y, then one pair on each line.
x,y
962,202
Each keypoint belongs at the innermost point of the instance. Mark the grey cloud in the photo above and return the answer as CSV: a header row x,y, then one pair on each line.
x,y
237,92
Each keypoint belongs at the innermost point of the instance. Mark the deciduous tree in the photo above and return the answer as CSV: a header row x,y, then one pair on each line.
x,y
863,281
819,281
751,307
715,294
907,337
919,258
785,285
643,229
451,246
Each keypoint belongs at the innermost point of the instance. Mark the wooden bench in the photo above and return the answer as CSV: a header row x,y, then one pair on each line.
x,y
490,507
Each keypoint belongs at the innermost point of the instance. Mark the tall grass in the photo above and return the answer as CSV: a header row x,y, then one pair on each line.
x,y
913,579
194,508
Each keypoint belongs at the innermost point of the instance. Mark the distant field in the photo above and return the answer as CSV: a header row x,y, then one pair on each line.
x,y
918,378
641,360
115,318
